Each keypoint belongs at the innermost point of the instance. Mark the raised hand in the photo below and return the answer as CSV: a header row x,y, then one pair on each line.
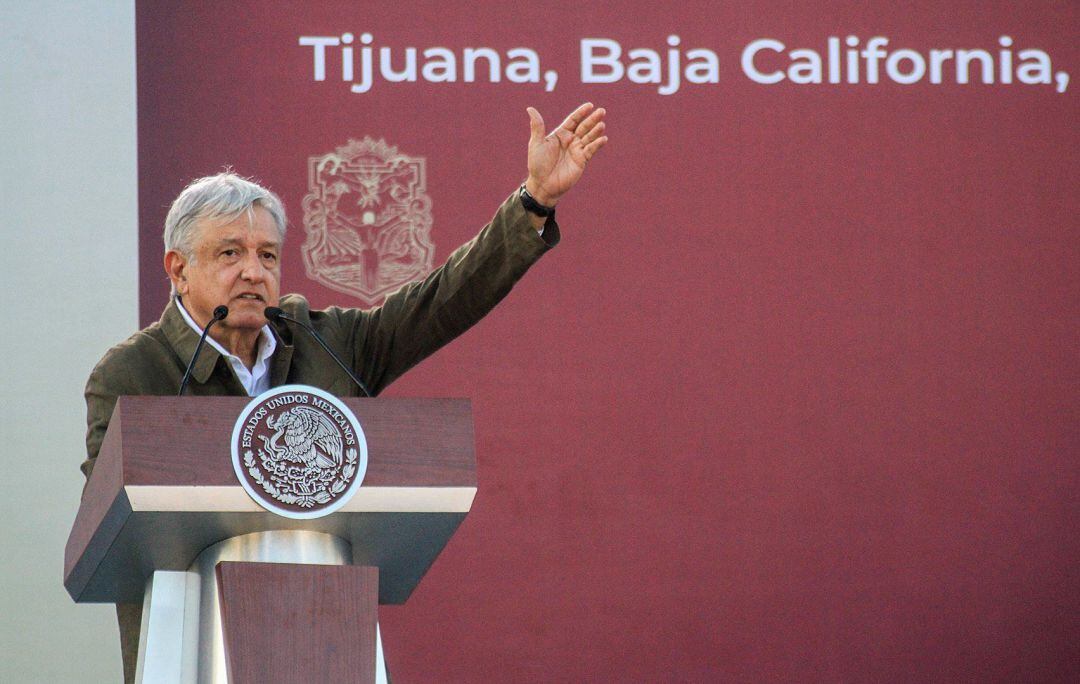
x,y
557,160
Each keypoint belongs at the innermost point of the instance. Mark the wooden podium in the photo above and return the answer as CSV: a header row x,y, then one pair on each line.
x,y
233,592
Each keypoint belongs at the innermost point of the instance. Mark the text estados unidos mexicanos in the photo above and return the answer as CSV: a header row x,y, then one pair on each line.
x,y
279,401
767,61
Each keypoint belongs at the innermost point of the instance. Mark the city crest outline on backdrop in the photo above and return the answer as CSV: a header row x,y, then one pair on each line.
x,y
299,451
367,220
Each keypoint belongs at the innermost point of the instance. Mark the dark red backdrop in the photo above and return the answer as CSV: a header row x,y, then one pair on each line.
x,y
795,399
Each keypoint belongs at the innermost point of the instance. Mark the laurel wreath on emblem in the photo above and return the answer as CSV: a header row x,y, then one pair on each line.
x,y
285,491
310,467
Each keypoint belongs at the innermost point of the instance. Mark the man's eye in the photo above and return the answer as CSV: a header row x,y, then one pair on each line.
x,y
270,256
228,252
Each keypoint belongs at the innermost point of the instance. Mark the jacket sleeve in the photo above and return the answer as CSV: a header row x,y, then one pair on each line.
x,y
422,316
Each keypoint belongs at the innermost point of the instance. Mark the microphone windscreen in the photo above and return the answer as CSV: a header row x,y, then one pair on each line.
x,y
221,312
272,312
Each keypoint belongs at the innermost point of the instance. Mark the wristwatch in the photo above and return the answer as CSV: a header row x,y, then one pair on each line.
x,y
532,206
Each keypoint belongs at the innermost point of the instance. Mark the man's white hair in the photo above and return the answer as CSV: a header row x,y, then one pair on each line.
x,y
216,198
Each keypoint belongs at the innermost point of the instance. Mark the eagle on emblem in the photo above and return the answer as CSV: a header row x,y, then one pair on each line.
x,y
310,436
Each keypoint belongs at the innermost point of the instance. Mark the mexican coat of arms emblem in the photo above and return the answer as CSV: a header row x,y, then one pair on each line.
x,y
298,451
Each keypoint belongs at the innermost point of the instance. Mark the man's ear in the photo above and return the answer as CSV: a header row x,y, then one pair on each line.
x,y
175,267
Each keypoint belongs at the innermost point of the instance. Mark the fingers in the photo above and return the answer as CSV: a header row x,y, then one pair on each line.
x,y
584,126
576,117
536,126
593,133
593,147
590,122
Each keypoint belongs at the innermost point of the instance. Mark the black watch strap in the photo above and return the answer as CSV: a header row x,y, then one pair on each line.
x,y
532,206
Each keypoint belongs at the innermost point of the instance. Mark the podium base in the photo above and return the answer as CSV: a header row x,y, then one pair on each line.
x,y
182,640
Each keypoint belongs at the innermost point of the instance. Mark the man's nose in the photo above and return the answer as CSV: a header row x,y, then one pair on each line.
x,y
253,270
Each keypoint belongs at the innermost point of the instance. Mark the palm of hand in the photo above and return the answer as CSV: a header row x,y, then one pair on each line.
x,y
559,159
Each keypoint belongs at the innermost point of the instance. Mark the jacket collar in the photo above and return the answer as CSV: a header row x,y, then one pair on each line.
x,y
281,360
184,340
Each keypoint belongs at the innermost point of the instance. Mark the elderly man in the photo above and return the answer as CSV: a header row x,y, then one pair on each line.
x,y
223,240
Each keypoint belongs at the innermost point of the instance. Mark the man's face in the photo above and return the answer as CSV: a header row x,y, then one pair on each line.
x,y
235,263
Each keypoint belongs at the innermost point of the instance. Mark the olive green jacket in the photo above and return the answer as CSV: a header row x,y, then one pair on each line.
x,y
380,344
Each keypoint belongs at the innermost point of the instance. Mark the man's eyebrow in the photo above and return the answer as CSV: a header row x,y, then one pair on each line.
x,y
229,241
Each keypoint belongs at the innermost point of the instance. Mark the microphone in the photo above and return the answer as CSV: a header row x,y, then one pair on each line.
x,y
275,314
219,314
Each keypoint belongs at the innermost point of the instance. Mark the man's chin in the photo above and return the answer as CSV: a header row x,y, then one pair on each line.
x,y
246,319
248,310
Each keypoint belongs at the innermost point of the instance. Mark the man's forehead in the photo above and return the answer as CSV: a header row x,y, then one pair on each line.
x,y
255,226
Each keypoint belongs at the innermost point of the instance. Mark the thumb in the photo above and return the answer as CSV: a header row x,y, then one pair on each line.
x,y
536,126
